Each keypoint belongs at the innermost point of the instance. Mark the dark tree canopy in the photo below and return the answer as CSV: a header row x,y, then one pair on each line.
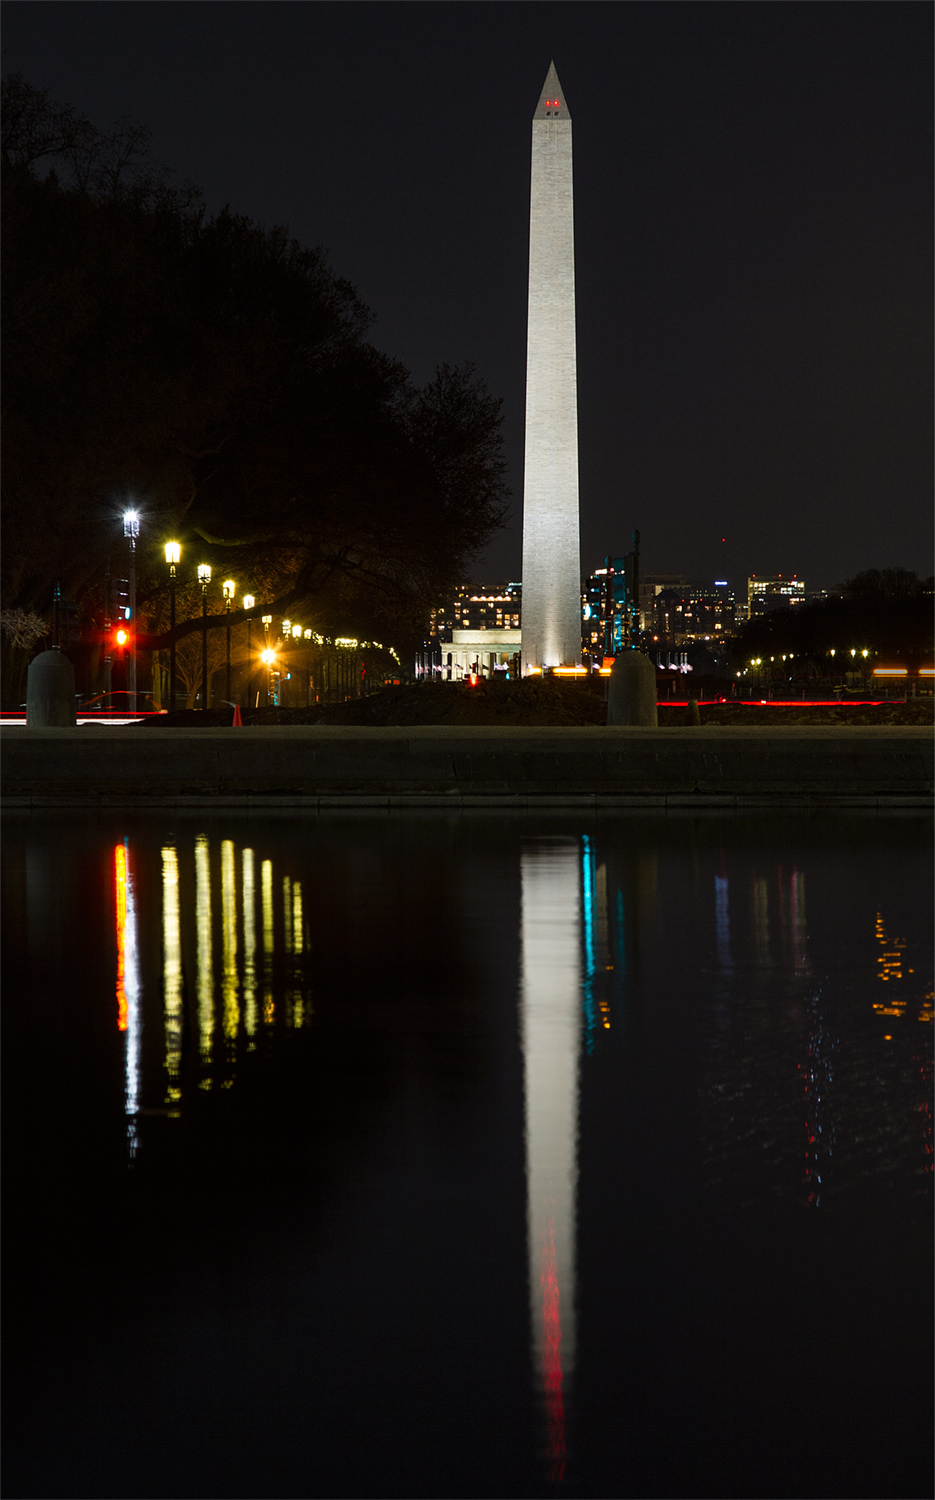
x,y
888,612
216,375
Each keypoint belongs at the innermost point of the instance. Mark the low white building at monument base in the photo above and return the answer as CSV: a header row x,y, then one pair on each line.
x,y
492,650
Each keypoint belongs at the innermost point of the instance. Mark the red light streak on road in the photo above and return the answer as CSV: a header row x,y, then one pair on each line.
x,y
776,702
552,1357
120,896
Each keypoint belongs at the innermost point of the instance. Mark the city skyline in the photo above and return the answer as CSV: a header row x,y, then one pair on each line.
x,y
753,243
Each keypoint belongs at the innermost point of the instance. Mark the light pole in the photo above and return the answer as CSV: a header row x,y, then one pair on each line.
x,y
297,632
204,578
131,530
229,588
266,655
248,603
284,638
173,554
308,666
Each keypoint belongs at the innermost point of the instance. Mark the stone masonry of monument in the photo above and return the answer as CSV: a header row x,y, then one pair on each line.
x,y
551,628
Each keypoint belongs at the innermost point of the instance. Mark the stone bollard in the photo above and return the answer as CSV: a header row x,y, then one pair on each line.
x,y
693,717
632,697
50,692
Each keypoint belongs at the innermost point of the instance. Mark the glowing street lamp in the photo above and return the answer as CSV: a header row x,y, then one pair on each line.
x,y
228,588
248,603
204,578
267,622
173,556
268,658
131,530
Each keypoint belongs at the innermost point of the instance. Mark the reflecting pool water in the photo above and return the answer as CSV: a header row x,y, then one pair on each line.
x,y
467,1155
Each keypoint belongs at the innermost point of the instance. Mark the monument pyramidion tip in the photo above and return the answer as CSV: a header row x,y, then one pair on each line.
x,y
551,104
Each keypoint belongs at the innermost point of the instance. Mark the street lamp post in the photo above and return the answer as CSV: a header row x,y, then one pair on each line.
x,y
173,554
131,530
204,578
285,634
248,603
296,632
268,658
229,588
308,666
266,655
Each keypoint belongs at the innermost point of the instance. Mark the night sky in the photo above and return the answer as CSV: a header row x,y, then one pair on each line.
x,y
753,202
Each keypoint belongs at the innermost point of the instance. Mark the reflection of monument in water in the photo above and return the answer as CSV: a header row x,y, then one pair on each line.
x,y
550,1030
581,914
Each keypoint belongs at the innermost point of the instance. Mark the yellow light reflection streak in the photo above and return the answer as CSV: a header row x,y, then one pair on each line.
x,y
269,940
287,913
230,980
298,924
248,887
172,971
298,945
205,952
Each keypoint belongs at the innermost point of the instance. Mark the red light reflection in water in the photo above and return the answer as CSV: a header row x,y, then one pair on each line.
x,y
552,1356
120,901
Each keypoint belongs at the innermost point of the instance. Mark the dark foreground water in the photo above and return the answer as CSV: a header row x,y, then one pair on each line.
x,y
419,1155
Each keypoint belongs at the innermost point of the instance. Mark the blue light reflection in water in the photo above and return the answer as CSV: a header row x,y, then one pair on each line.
x,y
468,1155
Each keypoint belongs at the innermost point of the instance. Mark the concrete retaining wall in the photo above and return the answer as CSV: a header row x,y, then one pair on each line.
x,y
106,765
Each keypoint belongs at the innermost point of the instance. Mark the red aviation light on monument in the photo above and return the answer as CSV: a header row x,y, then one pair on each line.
x,y
550,100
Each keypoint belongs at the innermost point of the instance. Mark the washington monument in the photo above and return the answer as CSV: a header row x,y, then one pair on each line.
x,y
551,569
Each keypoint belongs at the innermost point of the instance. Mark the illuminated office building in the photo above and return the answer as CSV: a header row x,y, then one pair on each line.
x,y
766,594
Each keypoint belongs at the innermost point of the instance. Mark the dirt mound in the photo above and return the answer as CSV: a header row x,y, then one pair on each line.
x,y
549,702
528,702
